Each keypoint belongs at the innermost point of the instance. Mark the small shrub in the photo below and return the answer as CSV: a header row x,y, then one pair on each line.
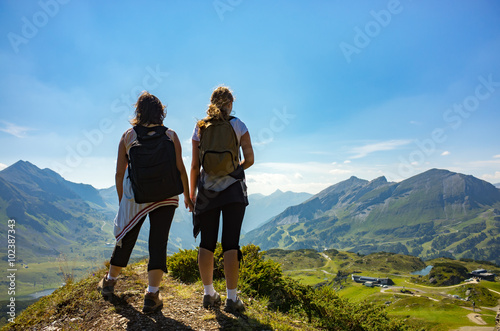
x,y
183,265
219,262
258,277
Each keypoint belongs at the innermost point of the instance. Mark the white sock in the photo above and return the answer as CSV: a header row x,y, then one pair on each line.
x,y
153,289
110,278
231,294
209,289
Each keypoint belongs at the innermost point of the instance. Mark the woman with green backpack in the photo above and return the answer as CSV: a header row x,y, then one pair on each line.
x,y
218,175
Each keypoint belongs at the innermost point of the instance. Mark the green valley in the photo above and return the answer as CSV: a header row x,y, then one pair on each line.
x,y
411,297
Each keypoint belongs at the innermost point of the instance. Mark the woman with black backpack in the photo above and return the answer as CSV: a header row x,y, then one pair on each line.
x,y
149,176
218,175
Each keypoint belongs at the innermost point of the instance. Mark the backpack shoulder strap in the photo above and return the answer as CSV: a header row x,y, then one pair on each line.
x,y
142,131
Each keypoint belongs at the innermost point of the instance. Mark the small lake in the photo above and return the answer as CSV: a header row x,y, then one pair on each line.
x,y
43,293
423,272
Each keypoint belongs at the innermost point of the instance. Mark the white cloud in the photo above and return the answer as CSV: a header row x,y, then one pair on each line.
x,y
496,156
13,129
495,178
363,151
445,153
347,161
261,143
298,176
2,166
485,163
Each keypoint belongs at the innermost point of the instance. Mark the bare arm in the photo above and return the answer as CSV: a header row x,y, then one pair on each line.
x,y
121,166
195,168
180,166
246,146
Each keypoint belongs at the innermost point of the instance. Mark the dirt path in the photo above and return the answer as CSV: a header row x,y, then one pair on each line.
x,y
476,318
444,287
326,256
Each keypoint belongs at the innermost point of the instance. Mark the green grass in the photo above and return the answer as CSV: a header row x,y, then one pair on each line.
x,y
492,285
309,277
434,315
358,292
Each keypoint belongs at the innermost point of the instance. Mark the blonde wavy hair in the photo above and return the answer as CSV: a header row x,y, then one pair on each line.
x,y
218,109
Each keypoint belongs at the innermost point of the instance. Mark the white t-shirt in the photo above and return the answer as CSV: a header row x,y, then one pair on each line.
x,y
238,126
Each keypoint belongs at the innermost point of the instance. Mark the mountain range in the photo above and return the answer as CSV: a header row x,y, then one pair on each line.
x,y
55,216
51,214
262,208
435,213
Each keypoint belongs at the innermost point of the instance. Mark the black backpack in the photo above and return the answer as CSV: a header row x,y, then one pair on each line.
x,y
152,165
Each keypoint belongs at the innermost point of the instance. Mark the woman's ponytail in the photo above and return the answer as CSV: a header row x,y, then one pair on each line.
x,y
218,108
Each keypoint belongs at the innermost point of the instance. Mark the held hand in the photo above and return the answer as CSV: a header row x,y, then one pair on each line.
x,y
189,204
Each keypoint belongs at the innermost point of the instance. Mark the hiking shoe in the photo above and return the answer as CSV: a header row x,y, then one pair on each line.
x,y
211,300
234,306
107,286
152,302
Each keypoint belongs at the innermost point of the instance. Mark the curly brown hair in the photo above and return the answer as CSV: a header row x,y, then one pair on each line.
x,y
148,110
218,109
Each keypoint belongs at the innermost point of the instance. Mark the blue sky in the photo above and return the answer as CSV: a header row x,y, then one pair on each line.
x,y
328,89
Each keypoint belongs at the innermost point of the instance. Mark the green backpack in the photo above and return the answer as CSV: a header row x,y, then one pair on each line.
x,y
219,148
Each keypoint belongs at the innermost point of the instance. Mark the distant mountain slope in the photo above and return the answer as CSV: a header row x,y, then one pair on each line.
x,y
29,178
497,185
110,197
436,213
262,208
51,213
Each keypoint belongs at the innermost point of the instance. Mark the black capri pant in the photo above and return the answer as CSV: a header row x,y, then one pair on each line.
x,y
160,221
232,218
